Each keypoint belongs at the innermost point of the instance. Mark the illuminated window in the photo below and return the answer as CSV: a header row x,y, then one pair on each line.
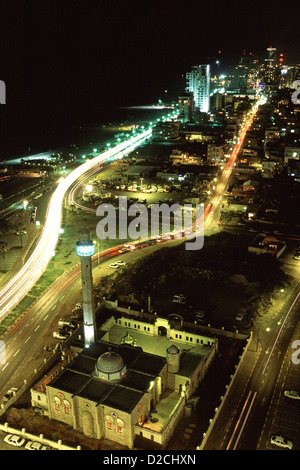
x,y
109,425
120,426
109,422
57,403
67,407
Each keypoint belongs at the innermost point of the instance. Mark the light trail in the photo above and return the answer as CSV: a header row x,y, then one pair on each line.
x,y
241,424
15,290
208,211
226,173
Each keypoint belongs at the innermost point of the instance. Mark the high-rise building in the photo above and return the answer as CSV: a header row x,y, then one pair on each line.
x,y
243,77
198,83
85,248
271,66
186,107
288,75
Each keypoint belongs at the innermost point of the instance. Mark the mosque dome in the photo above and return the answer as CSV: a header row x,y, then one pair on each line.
x,y
110,366
172,349
173,359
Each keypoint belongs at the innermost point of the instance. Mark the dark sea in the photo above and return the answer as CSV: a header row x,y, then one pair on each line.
x,y
34,137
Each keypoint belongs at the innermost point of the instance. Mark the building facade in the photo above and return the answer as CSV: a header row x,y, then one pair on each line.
x,y
133,381
198,83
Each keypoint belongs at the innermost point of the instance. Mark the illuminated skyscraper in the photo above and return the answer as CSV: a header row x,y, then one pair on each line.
x,y
85,248
271,65
198,83
242,78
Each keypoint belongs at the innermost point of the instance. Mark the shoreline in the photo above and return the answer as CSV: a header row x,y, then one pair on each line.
x,y
90,134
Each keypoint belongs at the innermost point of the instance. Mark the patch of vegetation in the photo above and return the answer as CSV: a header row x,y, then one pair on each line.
x,y
222,279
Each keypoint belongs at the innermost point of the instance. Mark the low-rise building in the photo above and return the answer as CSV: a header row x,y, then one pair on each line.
x,y
215,153
134,380
184,158
250,186
266,244
291,153
268,168
167,130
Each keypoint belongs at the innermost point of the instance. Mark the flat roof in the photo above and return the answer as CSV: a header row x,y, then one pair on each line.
x,y
70,381
78,379
159,344
122,398
139,169
188,363
141,380
96,390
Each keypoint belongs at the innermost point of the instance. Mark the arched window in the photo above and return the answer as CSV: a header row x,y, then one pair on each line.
x,y
109,422
120,426
67,407
57,403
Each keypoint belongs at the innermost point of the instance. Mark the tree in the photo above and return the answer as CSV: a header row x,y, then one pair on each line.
x,y
4,249
20,226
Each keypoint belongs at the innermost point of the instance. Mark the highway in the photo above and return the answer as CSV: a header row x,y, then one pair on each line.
x,y
13,292
211,215
37,319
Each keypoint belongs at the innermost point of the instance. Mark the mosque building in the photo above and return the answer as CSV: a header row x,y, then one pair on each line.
x,y
135,379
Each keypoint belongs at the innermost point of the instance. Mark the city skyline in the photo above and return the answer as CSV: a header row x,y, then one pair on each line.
x,y
63,64
150,226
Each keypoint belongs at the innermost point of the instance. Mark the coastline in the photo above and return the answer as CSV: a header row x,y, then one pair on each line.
x,y
82,138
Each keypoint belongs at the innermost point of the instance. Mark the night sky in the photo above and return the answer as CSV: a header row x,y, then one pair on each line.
x,y
65,62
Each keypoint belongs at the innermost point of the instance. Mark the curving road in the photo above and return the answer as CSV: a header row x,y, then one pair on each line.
x,y
13,292
20,339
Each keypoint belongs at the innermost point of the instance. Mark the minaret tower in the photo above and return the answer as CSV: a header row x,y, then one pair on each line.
x,y
85,248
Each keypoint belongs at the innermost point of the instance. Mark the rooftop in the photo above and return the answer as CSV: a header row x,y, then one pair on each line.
x,y
78,379
149,343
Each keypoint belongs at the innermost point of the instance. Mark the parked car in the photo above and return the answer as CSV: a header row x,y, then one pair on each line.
x,y
200,315
61,334
30,445
179,299
239,316
117,264
14,440
9,394
292,394
64,323
280,441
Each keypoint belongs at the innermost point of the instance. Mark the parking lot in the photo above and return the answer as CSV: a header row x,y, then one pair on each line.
x,y
286,413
